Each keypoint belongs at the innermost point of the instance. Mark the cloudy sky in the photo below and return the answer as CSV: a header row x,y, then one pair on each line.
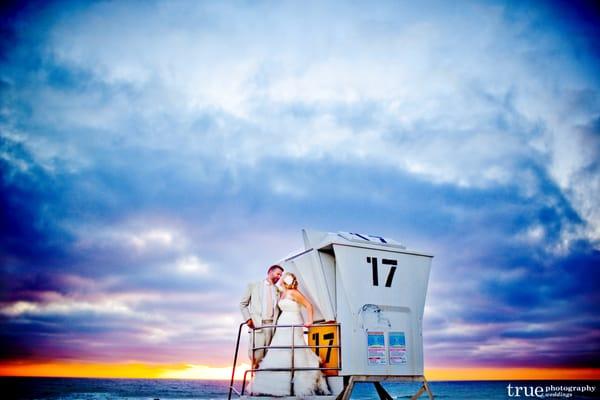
x,y
157,155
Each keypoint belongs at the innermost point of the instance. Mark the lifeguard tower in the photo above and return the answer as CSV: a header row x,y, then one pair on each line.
x,y
368,294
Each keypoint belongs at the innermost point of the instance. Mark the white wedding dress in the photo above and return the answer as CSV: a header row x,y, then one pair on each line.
x,y
275,383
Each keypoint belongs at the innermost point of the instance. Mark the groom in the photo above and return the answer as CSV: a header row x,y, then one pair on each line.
x,y
259,307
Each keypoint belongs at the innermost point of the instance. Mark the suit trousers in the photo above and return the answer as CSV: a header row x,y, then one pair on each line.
x,y
262,337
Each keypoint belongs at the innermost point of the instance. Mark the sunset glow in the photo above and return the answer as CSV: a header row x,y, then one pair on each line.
x,y
188,371
120,370
473,374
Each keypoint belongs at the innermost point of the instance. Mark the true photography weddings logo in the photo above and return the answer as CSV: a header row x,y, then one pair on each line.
x,y
551,391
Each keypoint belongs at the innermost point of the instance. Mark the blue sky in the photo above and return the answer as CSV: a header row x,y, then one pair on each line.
x,y
157,156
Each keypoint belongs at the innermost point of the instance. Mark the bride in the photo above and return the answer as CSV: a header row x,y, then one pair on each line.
x,y
275,383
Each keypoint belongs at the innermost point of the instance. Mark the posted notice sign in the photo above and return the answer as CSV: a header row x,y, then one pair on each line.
x,y
397,348
376,352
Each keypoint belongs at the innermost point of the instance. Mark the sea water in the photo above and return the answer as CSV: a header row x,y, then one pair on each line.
x,y
164,389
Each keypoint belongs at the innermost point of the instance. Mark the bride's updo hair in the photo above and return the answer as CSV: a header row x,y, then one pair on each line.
x,y
289,281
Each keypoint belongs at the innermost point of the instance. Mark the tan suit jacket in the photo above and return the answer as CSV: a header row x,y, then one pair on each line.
x,y
251,303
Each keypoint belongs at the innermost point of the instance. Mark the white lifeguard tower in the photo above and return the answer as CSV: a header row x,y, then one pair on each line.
x,y
368,294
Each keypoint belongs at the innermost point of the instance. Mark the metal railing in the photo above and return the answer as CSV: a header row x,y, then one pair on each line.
x,y
237,347
292,347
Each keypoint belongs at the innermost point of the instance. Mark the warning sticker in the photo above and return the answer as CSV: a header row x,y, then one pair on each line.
x,y
397,348
376,348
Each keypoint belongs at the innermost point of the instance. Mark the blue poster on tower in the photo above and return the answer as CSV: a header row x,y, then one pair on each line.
x,y
376,348
397,348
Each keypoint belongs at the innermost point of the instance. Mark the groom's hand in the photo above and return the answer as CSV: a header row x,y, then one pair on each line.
x,y
250,323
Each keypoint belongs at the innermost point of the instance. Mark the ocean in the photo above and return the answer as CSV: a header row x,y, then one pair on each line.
x,y
163,389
